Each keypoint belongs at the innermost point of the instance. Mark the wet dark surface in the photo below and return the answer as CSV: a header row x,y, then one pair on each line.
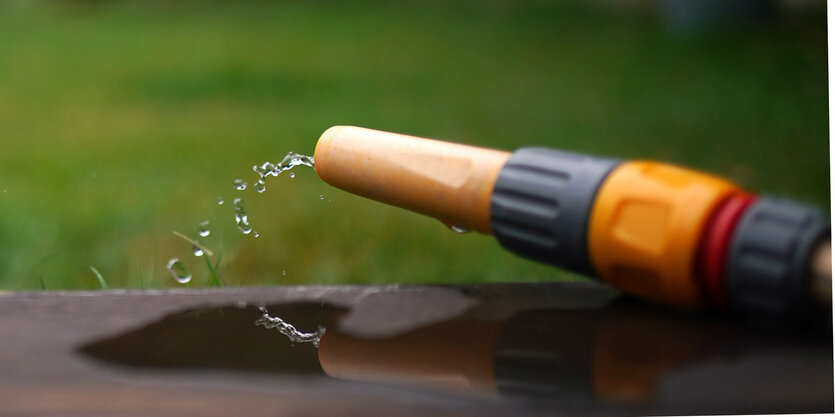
x,y
527,349
223,338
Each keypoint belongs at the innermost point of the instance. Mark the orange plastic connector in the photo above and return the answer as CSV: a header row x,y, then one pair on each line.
x,y
448,181
645,227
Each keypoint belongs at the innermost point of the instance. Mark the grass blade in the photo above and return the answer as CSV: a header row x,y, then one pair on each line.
x,y
102,282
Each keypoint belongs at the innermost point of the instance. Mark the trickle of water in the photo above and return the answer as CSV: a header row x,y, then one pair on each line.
x,y
197,250
240,184
293,160
178,271
219,201
289,162
204,229
241,219
292,175
459,229
267,168
287,329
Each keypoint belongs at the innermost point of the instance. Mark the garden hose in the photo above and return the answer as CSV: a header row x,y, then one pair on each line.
x,y
654,230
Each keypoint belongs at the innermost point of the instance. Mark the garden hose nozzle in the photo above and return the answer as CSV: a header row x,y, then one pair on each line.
x,y
654,230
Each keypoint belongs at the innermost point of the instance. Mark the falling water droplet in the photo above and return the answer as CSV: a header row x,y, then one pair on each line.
x,y
292,175
256,234
197,250
259,186
321,196
240,184
459,229
241,219
178,271
283,272
219,201
204,229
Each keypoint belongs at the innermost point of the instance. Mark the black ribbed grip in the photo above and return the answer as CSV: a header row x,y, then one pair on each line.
x,y
541,204
768,273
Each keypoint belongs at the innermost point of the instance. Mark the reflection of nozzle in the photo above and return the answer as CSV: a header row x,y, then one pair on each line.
x,y
657,231
455,355
448,181
620,354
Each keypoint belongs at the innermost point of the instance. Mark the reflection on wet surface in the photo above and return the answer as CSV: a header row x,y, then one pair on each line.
x,y
600,355
224,338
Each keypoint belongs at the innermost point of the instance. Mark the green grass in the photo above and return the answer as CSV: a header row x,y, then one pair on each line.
x,y
121,122
99,277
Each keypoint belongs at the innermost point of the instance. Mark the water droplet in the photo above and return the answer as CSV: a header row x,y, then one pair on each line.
x,y
292,175
459,229
204,229
219,201
283,272
178,271
197,250
256,234
241,219
259,186
321,196
240,184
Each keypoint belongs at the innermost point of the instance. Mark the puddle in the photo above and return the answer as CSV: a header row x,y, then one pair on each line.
x,y
223,338
624,354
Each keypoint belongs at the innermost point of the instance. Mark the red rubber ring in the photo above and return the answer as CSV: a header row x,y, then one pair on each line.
x,y
713,248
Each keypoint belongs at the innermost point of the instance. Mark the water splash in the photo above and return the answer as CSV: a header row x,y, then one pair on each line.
x,y
287,329
240,184
204,229
178,271
241,218
269,169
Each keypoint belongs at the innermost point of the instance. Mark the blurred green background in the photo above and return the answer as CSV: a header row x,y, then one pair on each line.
x,y
123,121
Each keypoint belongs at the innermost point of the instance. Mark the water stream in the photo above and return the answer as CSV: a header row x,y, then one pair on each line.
x,y
178,269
